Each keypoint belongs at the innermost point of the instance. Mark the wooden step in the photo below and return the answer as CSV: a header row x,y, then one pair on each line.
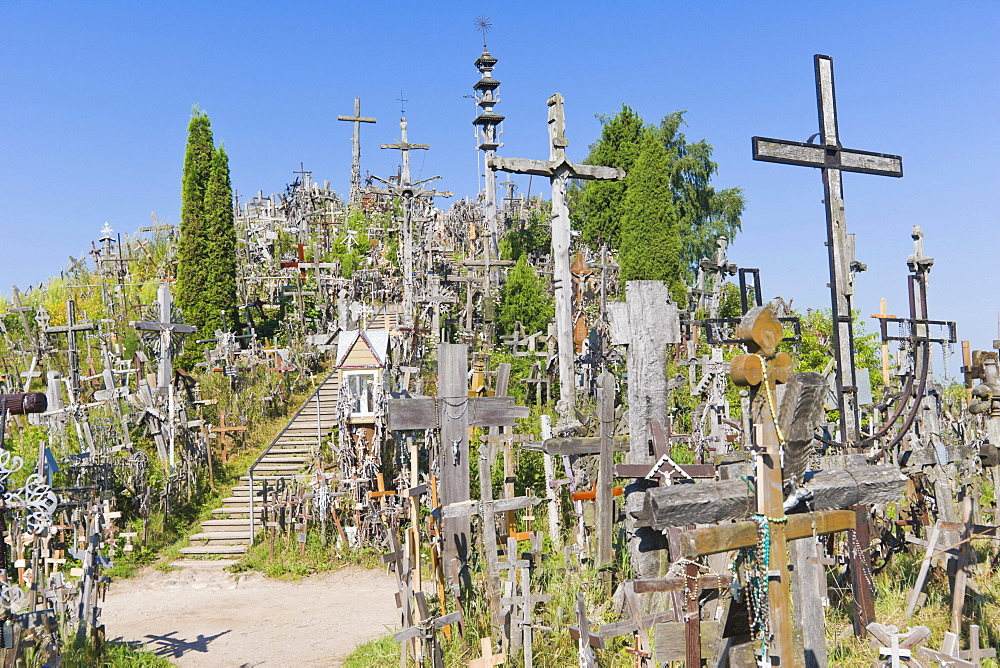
x,y
220,526
222,537
214,549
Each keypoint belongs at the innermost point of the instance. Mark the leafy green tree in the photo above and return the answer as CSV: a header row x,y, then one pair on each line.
x,y
703,213
650,239
598,208
524,299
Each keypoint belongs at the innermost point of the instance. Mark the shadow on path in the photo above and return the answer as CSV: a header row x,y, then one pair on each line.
x,y
169,646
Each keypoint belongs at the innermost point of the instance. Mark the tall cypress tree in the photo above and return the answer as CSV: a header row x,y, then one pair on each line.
x,y
650,234
597,206
206,265
220,227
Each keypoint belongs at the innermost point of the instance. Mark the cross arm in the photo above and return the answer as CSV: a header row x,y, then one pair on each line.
x,y
406,146
726,537
833,157
64,329
523,166
356,119
162,327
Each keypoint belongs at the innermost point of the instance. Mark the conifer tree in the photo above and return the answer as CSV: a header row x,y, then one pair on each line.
x,y
597,206
221,236
650,238
523,299
206,264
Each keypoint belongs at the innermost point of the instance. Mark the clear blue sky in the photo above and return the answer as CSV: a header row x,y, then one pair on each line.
x,y
97,96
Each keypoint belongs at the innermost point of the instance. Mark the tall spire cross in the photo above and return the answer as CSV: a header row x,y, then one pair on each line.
x,y
406,190
560,170
357,119
832,159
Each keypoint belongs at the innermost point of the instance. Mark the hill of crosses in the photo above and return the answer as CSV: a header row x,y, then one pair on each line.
x,y
566,424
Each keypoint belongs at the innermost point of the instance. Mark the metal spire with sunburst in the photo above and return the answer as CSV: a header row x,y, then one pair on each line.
x,y
483,25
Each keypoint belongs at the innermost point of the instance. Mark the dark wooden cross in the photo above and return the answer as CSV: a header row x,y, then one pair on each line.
x,y
830,157
559,171
71,329
453,411
357,119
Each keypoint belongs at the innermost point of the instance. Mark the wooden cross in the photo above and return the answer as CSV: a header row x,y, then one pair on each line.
x,y
357,119
830,157
382,492
488,658
453,411
586,640
427,627
801,409
224,430
407,190
975,653
900,645
71,329
559,170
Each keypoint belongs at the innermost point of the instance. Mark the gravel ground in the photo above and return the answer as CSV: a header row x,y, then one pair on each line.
x,y
202,615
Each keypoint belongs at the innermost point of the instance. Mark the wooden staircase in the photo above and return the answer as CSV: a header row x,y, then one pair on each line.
x,y
228,533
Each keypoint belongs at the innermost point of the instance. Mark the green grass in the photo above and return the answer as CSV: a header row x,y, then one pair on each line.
x,y
290,561
379,652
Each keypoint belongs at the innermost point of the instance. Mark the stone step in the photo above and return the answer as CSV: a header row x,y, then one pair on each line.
x,y
231,501
219,526
214,549
279,459
234,512
222,538
258,479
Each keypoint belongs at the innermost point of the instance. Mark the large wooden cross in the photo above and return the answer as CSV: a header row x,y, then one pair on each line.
x,y
832,159
453,411
71,329
560,170
782,450
407,190
357,119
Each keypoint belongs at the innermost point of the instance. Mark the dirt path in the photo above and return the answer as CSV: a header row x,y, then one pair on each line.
x,y
201,615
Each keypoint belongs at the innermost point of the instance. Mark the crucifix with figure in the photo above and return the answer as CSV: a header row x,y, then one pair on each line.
x,y
407,191
560,170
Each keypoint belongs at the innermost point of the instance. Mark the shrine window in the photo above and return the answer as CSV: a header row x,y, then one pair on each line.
x,y
359,386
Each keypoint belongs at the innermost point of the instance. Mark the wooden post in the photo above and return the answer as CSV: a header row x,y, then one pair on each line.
x,y
559,170
605,476
646,322
453,371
